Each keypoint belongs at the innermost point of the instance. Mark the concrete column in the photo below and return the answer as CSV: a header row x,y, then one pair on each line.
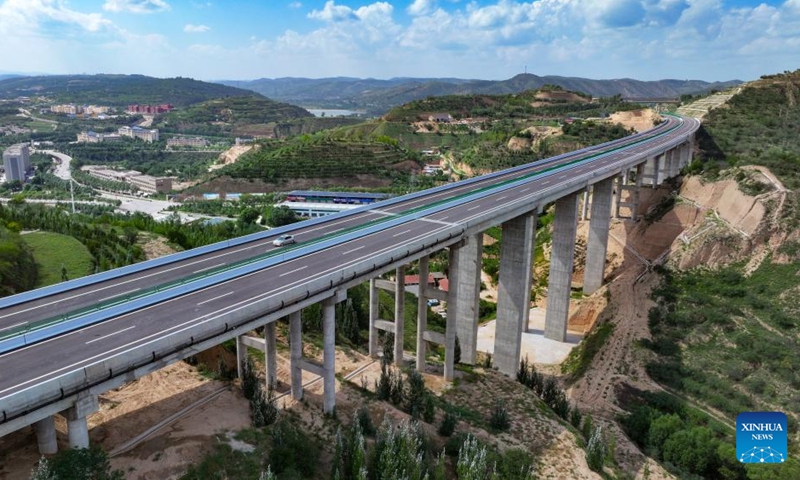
x,y
241,356
373,316
658,160
78,432
689,155
77,429
296,354
422,313
470,259
452,307
585,204
270,354
598,236
399,314
561,265
329,352
514,288
637,190
621,181
46,435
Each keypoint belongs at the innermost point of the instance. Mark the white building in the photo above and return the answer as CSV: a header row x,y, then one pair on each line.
x,y
139,132
17,162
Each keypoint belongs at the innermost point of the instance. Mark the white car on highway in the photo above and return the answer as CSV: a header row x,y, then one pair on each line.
x,y
283,240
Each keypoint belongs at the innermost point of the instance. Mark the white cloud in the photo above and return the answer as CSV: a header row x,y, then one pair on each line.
x,y
136,6
421,7
295,5
333,13
189,28
27,16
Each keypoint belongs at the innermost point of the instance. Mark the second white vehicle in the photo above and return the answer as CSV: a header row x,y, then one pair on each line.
x,y
283,240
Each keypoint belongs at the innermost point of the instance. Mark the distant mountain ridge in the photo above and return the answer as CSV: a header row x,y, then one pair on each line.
x,y
119,90
378,96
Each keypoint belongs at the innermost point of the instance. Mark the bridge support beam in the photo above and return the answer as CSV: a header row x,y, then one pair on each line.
x,y
373,317
468,289
296,353
270,355
598,236
399,313
514,288
329,354
561,265
77,429
46,435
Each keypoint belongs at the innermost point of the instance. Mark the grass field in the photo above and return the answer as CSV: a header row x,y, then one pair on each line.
x,y
52,251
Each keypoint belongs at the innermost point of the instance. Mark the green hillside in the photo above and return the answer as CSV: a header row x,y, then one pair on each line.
x,y
118,90
726,338
549,101
319,157
17,265
760,126
231,116
54,252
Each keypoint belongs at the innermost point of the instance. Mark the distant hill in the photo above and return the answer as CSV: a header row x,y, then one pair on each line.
x,y
379,96
250,115
118,90
548,102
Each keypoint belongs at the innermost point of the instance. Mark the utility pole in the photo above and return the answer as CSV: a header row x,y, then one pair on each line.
x,y
72,195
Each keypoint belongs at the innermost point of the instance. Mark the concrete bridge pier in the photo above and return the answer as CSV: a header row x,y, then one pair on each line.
x,y
296,354
468,289
46,435
329,354
598,236
455,254
399,313
422,313
514,288
270,355
374,305
396,326
561,265
423,334
77,429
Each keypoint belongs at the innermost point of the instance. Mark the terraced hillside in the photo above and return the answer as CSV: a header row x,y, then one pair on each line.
x,y
231,116
304,157
549,101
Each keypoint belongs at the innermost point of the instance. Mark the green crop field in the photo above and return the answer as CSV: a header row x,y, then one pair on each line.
x,y
52,251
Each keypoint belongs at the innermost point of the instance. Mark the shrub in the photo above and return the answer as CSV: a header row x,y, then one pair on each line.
x,y
596,450
499,419
448,425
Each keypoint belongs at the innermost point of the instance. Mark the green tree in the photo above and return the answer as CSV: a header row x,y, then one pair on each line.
x,y
661,429
691,450
84,464
472,461
596,450
280,216
43,471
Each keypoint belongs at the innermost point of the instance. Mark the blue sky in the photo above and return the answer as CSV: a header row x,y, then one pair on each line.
x,y
486,39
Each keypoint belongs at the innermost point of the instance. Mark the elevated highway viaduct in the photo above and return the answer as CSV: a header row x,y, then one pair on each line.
x,y
222,298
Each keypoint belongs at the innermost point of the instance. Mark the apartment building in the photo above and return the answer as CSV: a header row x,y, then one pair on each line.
x,y
138,132
187,142
145,183
17,162
94,137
